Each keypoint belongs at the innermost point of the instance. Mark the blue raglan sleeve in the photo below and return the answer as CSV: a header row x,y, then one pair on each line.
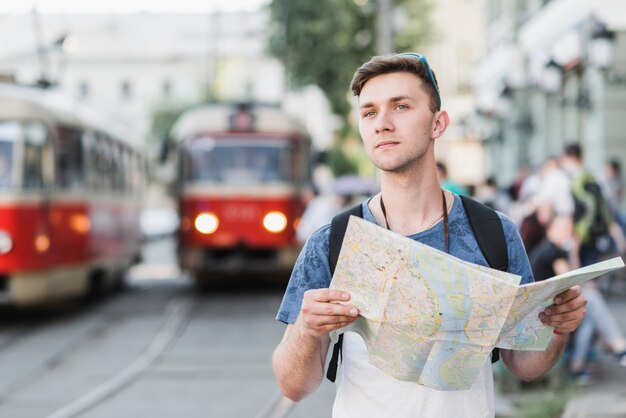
x,y
518,259
311,271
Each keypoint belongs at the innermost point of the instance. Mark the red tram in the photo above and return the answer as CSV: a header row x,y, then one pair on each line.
x,y
242,174
69,199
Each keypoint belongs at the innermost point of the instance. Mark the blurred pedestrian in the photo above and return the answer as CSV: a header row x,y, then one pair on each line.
x,y
552,196
614,189
522,174
446,183
555,188
594,228
599,321
533,226
319,211
594,225
553,255
491,195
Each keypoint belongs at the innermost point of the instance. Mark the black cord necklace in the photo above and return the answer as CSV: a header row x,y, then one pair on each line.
x,y
444,215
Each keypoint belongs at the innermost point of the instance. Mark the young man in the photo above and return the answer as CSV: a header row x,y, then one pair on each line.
x,y
400,119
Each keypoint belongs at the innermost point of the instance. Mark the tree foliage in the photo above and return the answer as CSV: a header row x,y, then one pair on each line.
x,y
323,42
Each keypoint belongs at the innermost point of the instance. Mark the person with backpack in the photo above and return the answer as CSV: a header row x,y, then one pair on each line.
x,y
593,220
595,228
400,120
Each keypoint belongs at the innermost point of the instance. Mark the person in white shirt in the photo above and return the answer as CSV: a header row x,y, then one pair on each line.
x,y
400,120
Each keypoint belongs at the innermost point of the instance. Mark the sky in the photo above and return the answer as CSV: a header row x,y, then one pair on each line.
x,y
126,6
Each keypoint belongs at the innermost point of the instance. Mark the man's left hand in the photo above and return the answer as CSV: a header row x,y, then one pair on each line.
x,y
567,312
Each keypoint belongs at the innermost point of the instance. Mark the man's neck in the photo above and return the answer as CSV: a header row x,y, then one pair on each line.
x,y
412,203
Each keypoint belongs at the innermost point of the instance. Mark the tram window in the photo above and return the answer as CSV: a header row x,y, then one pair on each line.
x,y
125,169
238,163
91,159
106,163
115,166
9,134
70,158
137,172
35,136
118,168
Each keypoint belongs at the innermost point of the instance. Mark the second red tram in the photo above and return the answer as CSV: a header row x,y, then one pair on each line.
x,y
243,171
69,199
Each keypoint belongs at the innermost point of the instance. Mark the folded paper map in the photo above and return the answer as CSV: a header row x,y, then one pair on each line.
x,y
433,319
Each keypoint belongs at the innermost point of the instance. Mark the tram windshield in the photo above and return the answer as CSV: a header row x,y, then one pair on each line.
x,y
239,161
10,132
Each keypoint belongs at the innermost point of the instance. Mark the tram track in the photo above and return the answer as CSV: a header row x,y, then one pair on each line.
x,y
11,337
114,358
178,314
278,407
52,359
20,325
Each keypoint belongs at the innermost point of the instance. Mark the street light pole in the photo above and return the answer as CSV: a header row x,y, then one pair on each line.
x,y
42,52
385,28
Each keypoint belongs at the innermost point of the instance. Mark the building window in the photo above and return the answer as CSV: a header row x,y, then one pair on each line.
x,y
127,90
166,89
83,90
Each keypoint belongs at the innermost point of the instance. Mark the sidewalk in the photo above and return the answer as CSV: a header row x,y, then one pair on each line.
x,y
607,397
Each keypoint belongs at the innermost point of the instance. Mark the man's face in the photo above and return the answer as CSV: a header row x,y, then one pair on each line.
x,y
395,121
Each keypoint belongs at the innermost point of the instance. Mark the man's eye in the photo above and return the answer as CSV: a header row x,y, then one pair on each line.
x,y
402,107
368,114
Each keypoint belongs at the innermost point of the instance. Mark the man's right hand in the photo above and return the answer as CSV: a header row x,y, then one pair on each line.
x,y
324,310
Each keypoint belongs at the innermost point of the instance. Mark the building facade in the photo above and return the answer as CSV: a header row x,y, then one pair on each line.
x,y
455,45
553,73
125,66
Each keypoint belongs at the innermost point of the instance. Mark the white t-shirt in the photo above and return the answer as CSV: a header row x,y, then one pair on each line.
x,y
556,188
364,391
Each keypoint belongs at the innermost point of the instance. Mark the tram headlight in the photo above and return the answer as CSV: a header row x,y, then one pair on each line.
x,y
42,242
275,222
6,243
206,223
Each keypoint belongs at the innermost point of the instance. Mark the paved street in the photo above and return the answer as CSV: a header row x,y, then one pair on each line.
x,y
160,349
163,349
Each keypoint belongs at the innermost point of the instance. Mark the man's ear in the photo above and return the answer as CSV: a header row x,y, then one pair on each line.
x,y
440,124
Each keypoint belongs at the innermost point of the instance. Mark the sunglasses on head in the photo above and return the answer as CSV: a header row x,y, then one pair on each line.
x,y
423,60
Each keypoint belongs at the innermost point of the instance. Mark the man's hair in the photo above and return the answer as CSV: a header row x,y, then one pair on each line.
x,y
574,151
394,63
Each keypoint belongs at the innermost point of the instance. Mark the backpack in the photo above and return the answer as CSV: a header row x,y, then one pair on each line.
x,y
487,229
591,213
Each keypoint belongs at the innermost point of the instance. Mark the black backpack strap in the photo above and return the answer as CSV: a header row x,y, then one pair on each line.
x,y
337,231
487,228
331,373
489,233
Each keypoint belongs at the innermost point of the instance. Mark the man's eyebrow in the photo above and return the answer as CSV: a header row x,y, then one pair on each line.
x,y
391,100
399,99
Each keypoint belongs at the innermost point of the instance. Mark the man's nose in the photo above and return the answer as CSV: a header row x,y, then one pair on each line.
x,y
383,122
